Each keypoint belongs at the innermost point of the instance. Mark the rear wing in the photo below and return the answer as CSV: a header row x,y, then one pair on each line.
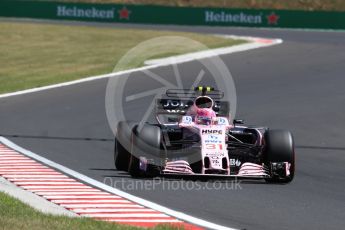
x,y
193,93
181,106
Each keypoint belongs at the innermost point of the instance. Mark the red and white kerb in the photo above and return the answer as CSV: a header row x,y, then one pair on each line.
x,y
78,197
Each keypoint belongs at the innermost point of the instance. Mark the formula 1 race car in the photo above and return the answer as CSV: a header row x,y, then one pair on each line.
x,y
195,137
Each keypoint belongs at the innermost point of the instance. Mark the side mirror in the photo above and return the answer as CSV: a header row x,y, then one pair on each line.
x,y
238,122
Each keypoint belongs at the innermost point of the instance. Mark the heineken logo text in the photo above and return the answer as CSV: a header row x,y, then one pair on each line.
x,y
211,16
92,12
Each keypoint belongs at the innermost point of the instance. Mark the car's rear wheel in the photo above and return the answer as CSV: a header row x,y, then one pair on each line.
x,y
122,145
134,167
146,143
121,156
279,148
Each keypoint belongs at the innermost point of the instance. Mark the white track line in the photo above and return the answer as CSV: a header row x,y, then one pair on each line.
x,y
255,43
97,184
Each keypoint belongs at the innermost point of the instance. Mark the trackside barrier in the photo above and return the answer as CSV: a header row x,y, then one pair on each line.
x,y
149,14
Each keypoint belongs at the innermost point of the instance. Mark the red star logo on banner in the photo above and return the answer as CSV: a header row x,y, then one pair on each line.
x,y
272,19
124,13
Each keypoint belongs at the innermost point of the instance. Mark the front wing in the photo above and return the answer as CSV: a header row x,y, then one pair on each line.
x,y
247,170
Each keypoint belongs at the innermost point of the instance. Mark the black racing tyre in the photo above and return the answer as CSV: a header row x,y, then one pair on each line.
x,y
279,147
121,156
146,142
122,145
134,167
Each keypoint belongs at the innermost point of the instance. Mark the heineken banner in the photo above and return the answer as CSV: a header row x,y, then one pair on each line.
x,y
172,15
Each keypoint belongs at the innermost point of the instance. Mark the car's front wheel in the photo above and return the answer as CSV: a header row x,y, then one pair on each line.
x,y
279,150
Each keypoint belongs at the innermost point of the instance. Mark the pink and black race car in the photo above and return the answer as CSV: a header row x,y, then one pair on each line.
x,y
194,137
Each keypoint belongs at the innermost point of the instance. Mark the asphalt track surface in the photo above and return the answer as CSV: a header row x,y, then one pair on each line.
x,y
298,85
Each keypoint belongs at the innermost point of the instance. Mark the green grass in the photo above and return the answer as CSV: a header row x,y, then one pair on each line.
x,y
34,55
16,215
336,5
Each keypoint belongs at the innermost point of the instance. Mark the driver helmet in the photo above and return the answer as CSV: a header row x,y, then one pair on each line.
x,y
204,116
